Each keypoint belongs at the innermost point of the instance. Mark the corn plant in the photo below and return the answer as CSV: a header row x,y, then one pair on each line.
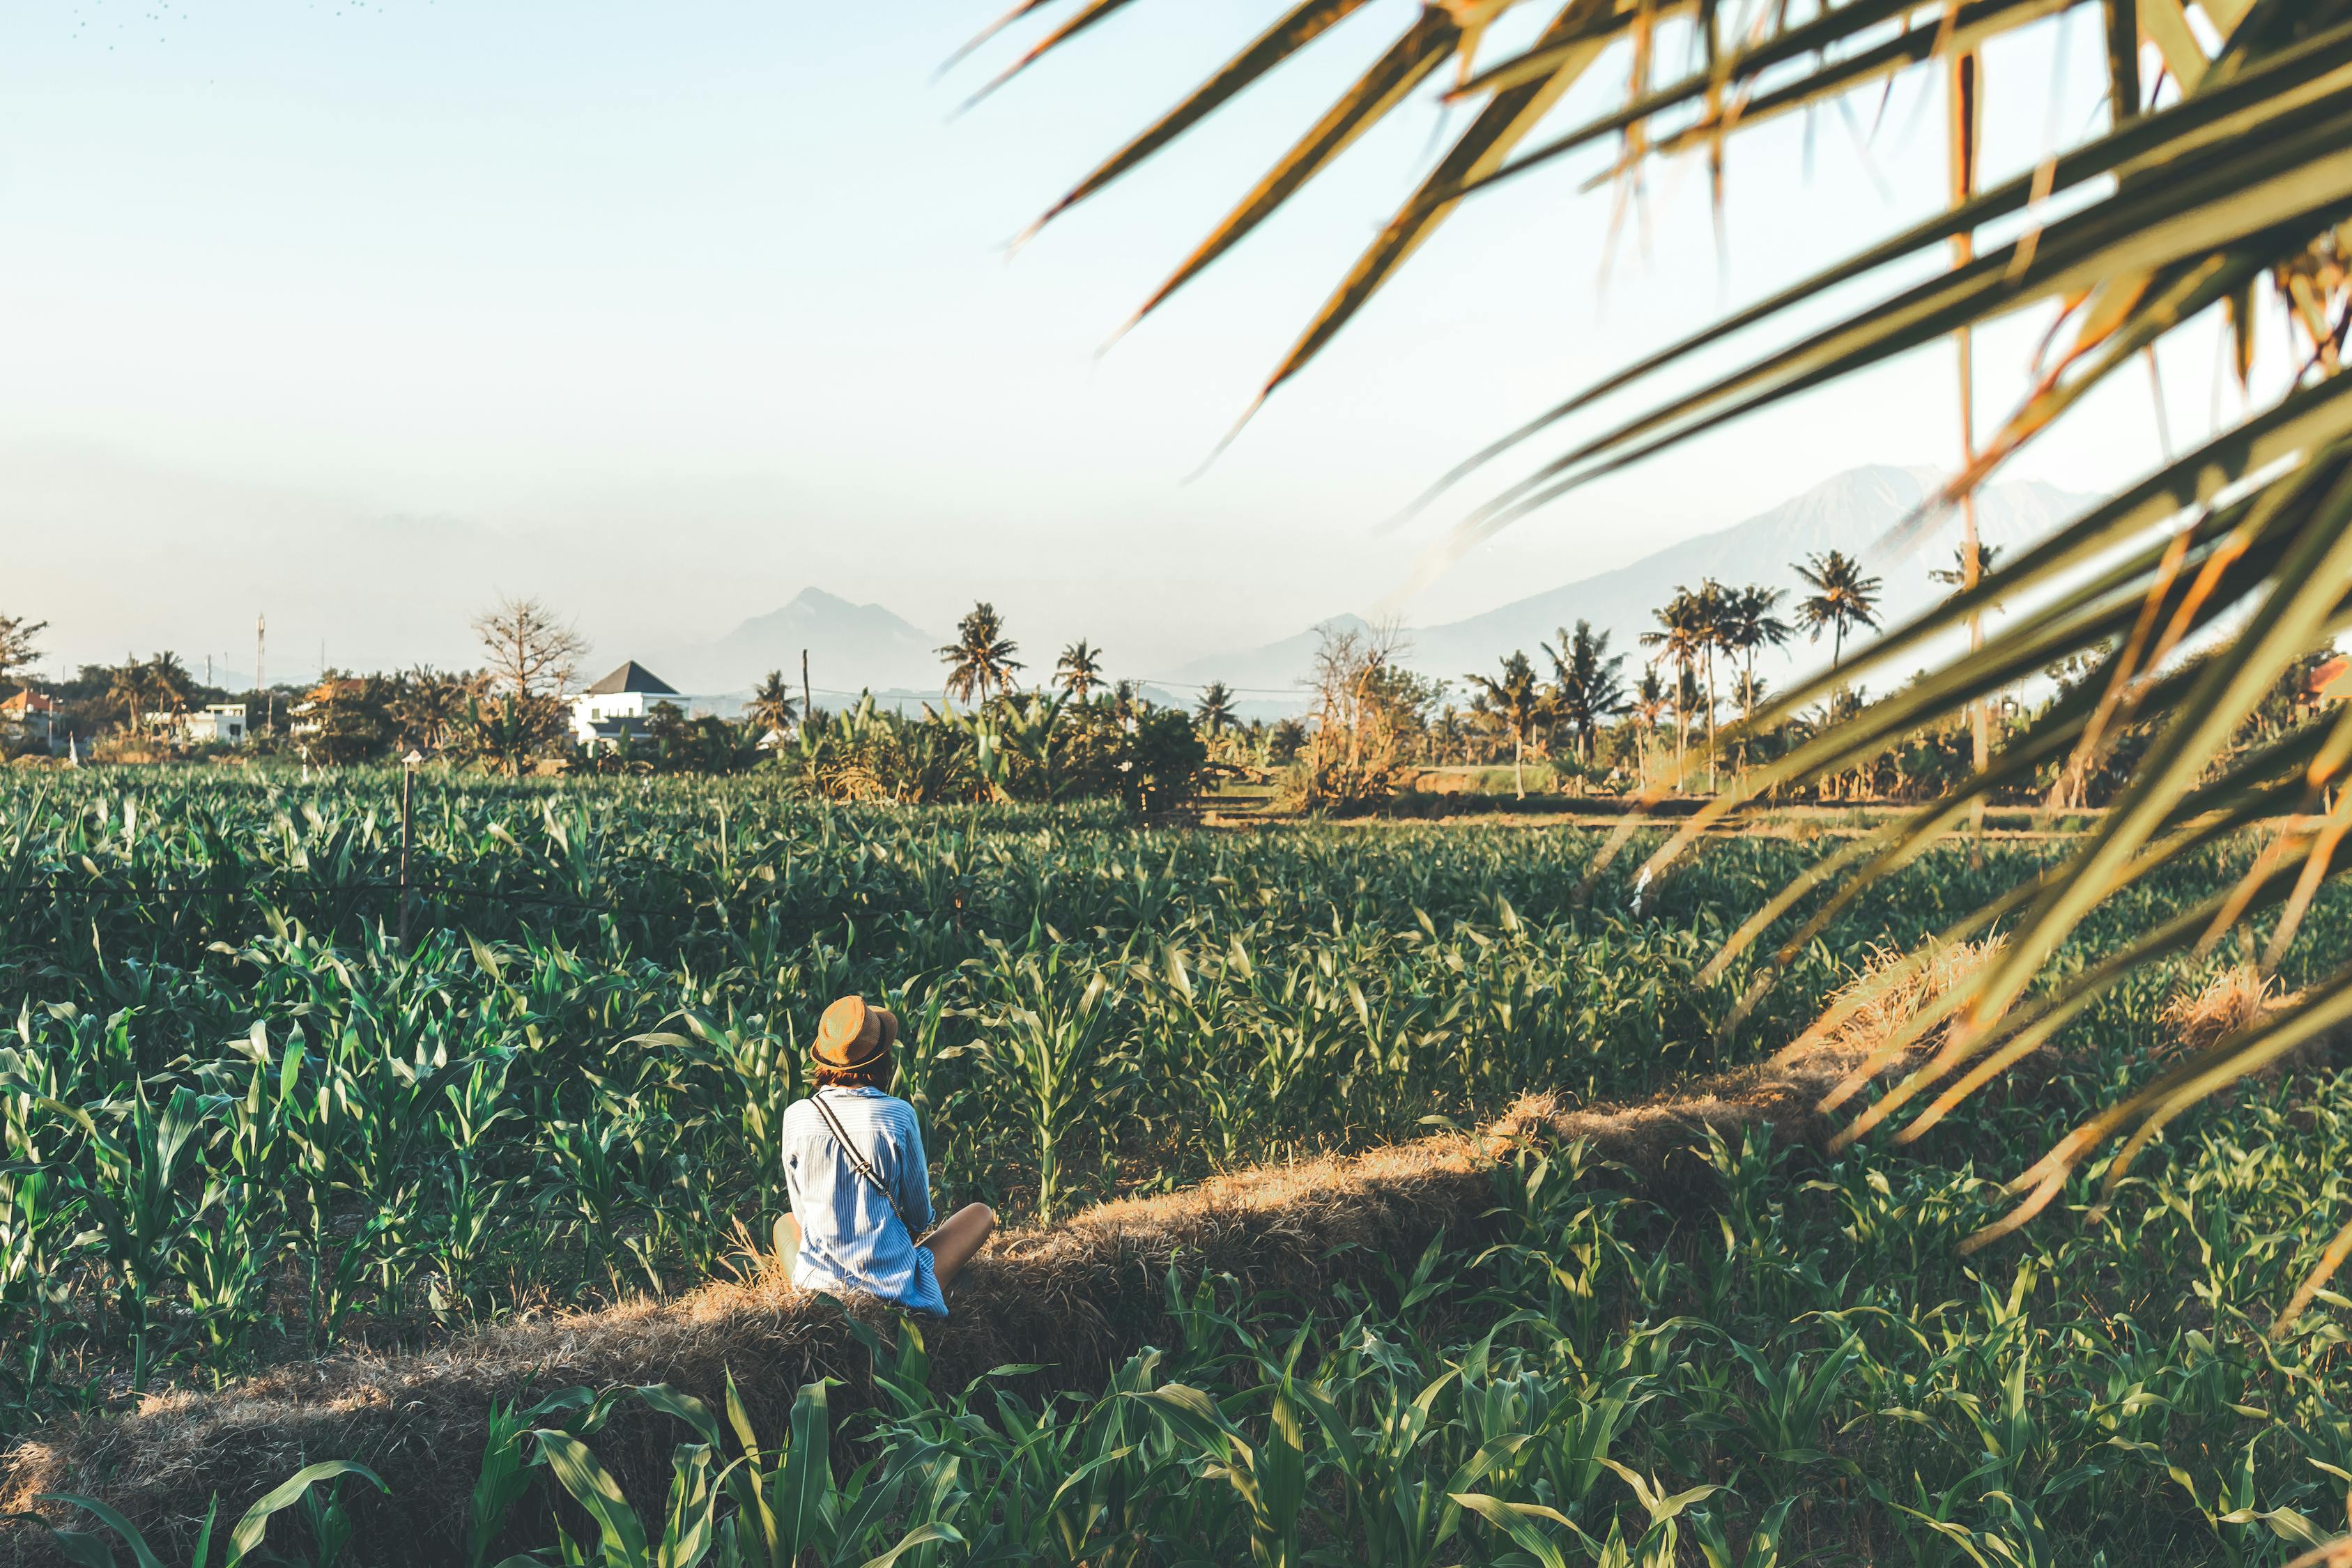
x,y
88,1550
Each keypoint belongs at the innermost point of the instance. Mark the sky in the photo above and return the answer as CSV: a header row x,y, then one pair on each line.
x,y
360,315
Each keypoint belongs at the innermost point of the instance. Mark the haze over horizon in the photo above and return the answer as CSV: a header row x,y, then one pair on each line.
x,y
360,318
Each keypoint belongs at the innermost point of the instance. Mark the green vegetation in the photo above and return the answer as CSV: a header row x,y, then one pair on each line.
x,y
2211,190
242,1123
1808,1376
1803,1372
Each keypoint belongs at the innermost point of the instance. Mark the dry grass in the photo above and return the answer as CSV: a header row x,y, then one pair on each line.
x,y
1077,1296
2226,1003
1874,1008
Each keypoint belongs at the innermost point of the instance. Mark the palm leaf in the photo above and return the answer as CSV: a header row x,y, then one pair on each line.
x,y
1588,27
2191,591
1405,65
1301,26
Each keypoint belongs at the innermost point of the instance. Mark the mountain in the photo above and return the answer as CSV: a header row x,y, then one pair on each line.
x,y
850,647
1856,512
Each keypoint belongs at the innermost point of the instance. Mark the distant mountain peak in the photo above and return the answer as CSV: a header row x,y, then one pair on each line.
x,y
1856,511
850,646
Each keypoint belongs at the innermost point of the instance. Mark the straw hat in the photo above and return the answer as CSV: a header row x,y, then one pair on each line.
x,y
852,1033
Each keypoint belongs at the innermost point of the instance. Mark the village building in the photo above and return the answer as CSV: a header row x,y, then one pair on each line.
x,y
215,725
619,706
30,716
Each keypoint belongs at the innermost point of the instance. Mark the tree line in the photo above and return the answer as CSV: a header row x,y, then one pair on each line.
x,y
1372,726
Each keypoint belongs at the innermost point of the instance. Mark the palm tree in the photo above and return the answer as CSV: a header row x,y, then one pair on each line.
x,y
170,682
129,692
1587,690
1215,707
1753,626
1842,598
981,654
773,705
1956,575
1512,704
1959,579
1079,669
1684,633
1650,705
2211,188
1717,610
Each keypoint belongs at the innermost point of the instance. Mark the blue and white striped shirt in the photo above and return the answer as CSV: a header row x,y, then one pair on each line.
x,y
849,1238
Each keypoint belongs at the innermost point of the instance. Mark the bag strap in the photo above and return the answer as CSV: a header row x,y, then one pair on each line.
x,y
857,1162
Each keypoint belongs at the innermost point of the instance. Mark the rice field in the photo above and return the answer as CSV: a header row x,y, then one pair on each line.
x,y
267,1100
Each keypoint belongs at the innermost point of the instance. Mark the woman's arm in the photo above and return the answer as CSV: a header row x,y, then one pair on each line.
x,y
914,1179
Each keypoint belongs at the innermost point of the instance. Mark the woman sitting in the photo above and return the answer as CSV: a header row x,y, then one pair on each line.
x,y
860,1189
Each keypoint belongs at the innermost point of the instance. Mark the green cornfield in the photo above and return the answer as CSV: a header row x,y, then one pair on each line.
x,y
246,1122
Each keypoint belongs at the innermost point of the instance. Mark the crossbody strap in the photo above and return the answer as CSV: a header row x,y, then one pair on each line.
x,y
857,1162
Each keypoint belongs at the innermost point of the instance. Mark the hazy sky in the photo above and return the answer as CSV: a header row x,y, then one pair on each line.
x,y
359,313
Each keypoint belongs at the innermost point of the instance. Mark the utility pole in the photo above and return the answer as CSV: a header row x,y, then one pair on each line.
x,y
260,636
808,697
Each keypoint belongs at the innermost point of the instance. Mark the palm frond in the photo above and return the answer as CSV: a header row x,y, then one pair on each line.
x,y
2190,592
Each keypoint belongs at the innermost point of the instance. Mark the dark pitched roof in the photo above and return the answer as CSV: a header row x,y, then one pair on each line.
x,y
633,677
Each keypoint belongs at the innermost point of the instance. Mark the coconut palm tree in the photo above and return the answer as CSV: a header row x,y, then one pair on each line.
x,y
170,682
1718,611
1686,631
1079,669
773,704
129,692
1841,599
2211,190
1515,705
1587,689
1215,707
1749,626
1956,575
1650,705
981,654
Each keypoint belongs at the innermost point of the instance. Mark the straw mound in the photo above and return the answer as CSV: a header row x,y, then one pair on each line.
x,y
2199,1020
1077,1296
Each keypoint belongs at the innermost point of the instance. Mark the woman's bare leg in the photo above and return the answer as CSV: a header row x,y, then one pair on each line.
x,y
787,1237
957,1238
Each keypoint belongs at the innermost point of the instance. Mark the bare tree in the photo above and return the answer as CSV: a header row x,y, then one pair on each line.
x,y
18,648
1365,705
526,649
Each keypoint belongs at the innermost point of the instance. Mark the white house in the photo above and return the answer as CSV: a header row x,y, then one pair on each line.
x,y
216,723
617,706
